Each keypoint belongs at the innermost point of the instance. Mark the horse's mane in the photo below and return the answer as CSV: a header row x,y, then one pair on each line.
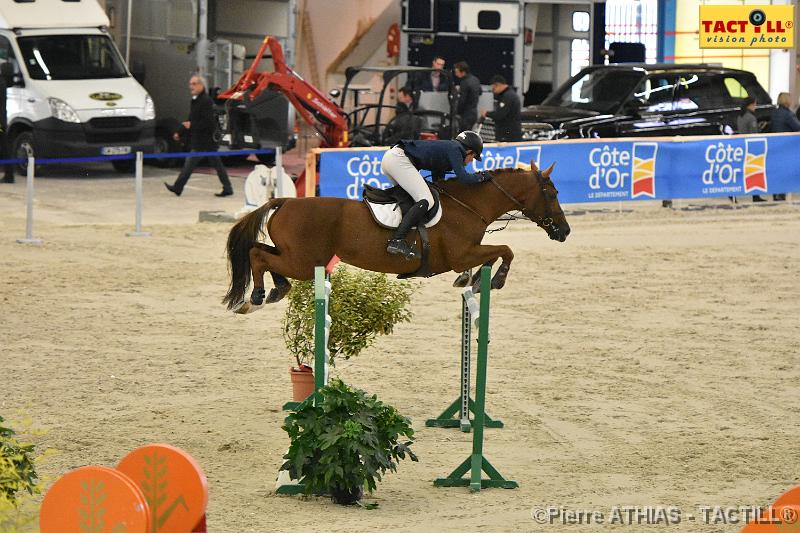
x,y
453,183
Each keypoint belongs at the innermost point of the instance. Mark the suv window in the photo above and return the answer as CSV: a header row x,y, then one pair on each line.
x,y
735,88
701,91
655,92
601,90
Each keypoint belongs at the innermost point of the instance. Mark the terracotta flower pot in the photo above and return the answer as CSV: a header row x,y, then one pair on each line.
x,y
302,382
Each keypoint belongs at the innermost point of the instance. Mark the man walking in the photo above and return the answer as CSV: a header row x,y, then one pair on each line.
x,y
506,112
200,128
468,94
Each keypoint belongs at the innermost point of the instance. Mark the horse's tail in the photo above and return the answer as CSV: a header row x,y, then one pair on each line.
x,y
240,239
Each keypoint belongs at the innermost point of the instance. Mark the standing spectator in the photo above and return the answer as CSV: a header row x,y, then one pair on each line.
x,y
434,81
783,120
506,112
468,94
6,80
200,128
747,123
405,125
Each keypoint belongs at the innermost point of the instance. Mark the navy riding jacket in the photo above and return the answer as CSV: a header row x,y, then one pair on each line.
x,y
440,157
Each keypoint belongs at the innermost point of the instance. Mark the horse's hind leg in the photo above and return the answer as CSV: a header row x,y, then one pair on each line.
x,y
260,258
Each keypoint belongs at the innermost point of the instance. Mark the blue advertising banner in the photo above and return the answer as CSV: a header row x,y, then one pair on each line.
x,y
611,169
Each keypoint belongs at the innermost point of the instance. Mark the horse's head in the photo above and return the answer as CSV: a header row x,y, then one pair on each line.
x,y
542,206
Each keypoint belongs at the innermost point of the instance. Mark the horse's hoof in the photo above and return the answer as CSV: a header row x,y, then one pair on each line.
x,y
241,308
257,298
274,296
246,308
498,282
476,287
462,280
499,279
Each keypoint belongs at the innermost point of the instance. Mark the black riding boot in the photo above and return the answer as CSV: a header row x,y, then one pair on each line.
x,y
397,244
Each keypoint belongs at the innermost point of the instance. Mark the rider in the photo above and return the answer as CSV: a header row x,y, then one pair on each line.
x,y
402,163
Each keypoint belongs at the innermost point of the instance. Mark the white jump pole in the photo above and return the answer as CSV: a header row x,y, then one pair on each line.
x,y
139,169
279,192
29,195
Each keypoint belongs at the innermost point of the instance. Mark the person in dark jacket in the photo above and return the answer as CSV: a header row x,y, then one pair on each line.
x,y
200,129
405,125
5,142
402,163
783,120
469,92
746,122
434,81
506,112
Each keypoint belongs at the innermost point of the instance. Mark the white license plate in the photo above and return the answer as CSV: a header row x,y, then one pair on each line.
x,y
115,150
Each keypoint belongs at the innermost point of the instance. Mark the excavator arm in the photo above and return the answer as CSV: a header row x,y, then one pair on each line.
x,y
315,108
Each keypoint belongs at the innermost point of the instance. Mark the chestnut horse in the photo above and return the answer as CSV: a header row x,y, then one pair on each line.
x,y
308,232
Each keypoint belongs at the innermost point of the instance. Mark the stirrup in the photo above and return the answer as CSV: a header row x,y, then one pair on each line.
x,y
401,247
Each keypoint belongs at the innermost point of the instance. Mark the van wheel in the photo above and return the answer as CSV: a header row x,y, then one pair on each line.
x,y
23,149
124,166
164,145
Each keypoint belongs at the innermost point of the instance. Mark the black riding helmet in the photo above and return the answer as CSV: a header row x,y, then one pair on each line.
x,y
471,141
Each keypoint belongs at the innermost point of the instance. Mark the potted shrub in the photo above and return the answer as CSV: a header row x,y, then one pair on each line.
x,y
362,306
345,443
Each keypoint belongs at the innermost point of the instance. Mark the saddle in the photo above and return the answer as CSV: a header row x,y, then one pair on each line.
x,y
387,207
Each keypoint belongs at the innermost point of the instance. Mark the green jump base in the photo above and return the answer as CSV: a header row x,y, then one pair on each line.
x,y
449,418
291,406
291,490
475,481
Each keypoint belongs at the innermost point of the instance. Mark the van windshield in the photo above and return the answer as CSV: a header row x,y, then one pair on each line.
x,y
71,57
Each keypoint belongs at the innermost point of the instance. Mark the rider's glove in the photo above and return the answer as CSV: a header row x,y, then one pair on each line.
x,y
485,176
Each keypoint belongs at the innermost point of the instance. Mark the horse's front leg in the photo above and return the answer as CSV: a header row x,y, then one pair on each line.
x,y
487,254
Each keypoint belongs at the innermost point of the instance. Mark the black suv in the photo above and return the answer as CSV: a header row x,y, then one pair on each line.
x,y
636,100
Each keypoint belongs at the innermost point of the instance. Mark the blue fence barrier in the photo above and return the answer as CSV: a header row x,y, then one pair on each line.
x,y
604,170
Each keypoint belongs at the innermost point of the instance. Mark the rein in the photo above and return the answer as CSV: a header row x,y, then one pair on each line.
x,y
544,222
459,202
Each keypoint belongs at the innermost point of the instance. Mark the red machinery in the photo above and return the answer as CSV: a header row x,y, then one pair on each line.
x,y
337,128
315,108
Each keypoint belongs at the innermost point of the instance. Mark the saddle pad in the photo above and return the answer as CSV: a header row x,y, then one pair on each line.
x,y
389,216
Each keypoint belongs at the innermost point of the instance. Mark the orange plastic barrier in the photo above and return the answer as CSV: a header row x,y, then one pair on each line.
x,y
155,489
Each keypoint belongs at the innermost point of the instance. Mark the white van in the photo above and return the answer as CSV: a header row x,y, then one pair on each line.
x,y
72,94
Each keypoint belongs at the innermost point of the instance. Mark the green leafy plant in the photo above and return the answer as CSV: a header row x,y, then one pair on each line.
x,y
344,443
17,476
362,306
17,472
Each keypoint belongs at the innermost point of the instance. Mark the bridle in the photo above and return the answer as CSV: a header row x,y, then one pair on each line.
x,y
545,222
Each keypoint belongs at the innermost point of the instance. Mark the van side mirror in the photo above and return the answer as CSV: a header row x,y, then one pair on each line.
x,y
138,71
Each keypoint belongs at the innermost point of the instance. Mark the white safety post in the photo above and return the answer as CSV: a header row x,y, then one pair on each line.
x,y
279,192
139,168
29,195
